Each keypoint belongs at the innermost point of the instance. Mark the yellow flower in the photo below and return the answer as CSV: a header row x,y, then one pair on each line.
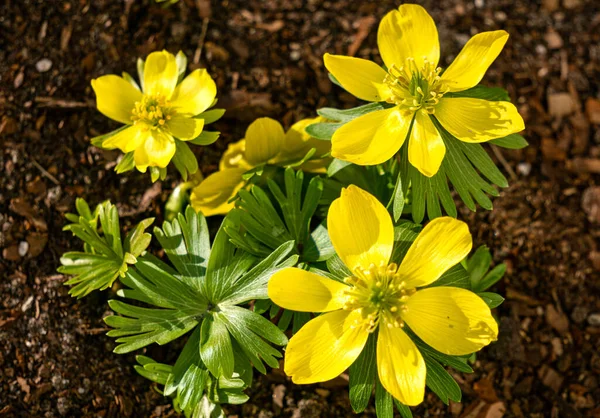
x,y
409,46
382,297
156,114
265,143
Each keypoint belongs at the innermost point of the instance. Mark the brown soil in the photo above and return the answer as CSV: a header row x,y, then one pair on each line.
x,y
266,58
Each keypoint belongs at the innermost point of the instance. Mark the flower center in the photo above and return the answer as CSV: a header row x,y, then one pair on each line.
x,y
415,88
379,294
153,111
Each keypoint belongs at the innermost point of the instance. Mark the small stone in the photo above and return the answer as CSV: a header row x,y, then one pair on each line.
x,y
43,65
560,104
553,39
278,394
23,248
524,169
594,319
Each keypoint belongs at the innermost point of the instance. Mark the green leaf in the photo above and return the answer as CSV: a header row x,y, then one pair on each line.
x,y
478,264
336,165
184,160
347,115
140,70
127,163
512,141
205,138
482,92
138,240
493,300
440,382
182,306
211,116
337,268
186,242
103,259
404,410
98,140
181,61
457,276
265,219
215,346
322,130
250,330
190,377
384,405
397,201
491,278
153,371
253,284
363,374
130,80
458,363
319,246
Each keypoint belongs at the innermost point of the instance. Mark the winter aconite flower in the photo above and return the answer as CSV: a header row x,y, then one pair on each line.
x,y
422,95
384,298
265,143
158,113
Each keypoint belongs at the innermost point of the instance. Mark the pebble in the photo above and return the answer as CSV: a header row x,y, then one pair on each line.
x,y
524,169
43,65
23,248
594,319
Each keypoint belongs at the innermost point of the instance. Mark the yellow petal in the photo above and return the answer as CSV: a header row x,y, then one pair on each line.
x,y
373,138
408,32
212,195
115,97
362,78
426,148
324,347
235,156
360,229
400,365
452,320
195,94
298,142
160,74
156,151
443,243
128,139
185,128
264,138
477,120
469,67
303,291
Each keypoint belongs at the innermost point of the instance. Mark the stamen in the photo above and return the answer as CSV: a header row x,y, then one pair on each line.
x,y
413,88
153,112
379,294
